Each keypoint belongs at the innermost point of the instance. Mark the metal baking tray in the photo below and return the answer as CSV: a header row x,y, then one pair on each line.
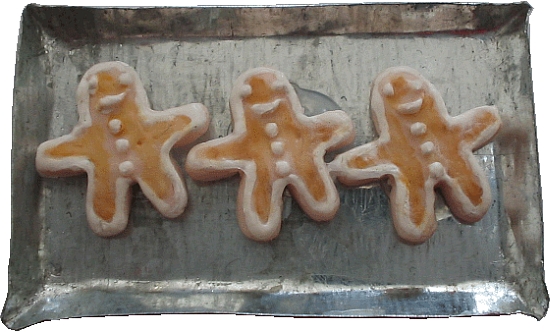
x,y
354,265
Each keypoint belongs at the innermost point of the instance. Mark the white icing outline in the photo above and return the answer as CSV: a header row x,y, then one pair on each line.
x,y
55,167
251,224
459,204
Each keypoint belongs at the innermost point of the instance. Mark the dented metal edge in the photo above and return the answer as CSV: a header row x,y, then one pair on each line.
x,y
90,24
270,297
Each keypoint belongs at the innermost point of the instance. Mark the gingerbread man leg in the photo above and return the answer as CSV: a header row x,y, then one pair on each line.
x,y
107,204
412,208
259,205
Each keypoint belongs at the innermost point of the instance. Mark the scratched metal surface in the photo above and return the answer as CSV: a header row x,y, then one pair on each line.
x,y
200,262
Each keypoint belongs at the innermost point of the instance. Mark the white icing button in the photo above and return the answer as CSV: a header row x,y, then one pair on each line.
x,y
437,170
271,129
277,148
418,128
126,167
427,148
387,90
122,145
115,126
282,168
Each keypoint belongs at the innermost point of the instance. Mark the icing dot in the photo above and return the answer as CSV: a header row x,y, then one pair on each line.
x,y
246,90
415,84
387,90
115,126
125,79
437,170
279,84
418,128
92,85
122,145
126,167
271,129
277,148
427,148
282,168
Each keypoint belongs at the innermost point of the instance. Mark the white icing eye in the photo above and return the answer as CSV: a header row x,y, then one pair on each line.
x,y
387,90
415,84
125,79
279,84
246,90
92,85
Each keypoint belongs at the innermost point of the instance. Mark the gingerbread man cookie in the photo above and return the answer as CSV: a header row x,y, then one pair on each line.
x,y
273,146
421,148
120,141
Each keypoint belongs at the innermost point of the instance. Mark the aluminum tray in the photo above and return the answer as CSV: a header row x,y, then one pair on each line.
x,y
200,262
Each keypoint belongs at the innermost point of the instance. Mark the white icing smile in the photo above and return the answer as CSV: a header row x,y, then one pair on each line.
x,y
111,100
266,107
411,107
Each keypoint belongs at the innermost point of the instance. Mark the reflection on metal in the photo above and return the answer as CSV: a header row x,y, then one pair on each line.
x,y
353,265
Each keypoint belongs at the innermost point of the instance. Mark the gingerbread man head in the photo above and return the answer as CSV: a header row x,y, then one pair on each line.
x,y
265,96
108,87
404,95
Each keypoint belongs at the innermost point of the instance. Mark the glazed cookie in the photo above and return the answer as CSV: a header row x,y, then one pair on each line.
x,y
120,141
421,148
273,146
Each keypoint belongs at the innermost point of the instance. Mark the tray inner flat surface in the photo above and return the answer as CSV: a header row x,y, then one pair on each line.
x,y
355,262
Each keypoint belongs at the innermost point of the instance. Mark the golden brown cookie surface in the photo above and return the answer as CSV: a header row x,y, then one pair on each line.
x,y
422,148
120,141
273,145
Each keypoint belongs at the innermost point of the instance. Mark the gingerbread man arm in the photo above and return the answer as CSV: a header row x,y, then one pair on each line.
x,y
361,165
479,125
217,155
180,125
62,156
175,126
334,128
